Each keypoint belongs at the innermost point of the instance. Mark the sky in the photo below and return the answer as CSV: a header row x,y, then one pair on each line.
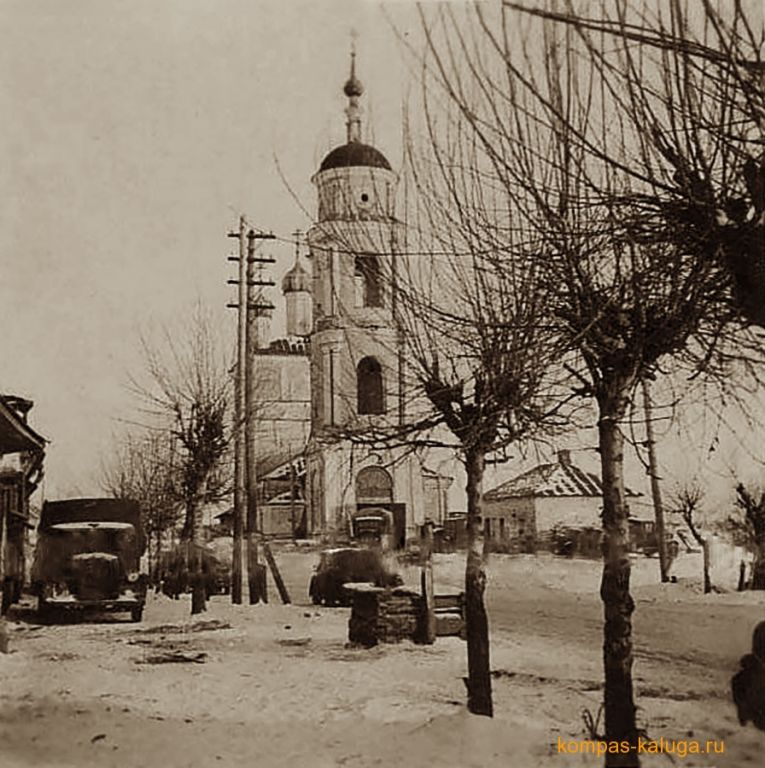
x,y
134,135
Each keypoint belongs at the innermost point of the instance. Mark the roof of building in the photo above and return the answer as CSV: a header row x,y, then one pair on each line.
x,y
561,478
290,346
15,434
353,154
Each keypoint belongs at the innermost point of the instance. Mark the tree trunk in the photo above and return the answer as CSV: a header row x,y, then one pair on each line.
x,y
618,605
194,558
758,566
477,625
256,573
707,577
426,584
741,576
3,558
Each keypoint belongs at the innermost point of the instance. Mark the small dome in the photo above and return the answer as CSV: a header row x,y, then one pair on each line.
x,y
354,153
297,279
353,87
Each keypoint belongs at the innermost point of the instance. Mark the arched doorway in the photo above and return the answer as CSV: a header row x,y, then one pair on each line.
x,y
374,488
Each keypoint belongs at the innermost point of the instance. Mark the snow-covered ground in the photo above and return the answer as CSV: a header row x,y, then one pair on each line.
x,y
276,685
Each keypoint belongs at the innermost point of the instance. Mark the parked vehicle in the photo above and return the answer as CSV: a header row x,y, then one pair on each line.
x,y
175,571
88,557
372,527
338,567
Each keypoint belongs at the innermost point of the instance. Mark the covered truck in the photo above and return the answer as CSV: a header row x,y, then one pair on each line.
x,y
88,557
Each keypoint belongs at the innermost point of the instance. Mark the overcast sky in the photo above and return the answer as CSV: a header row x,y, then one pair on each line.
x,y
134,133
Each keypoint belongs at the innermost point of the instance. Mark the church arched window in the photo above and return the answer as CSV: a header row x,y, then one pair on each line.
x,y
369,387
368,281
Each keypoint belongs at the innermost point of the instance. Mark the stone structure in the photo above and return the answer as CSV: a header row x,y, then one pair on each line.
x,y
384,615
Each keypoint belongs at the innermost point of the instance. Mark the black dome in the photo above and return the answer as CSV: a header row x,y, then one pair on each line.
x,y
354,153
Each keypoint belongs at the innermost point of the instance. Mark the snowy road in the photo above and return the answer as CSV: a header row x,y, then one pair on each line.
x,y
275,686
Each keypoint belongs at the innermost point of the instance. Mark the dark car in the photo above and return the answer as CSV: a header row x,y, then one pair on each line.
x,y
88,557
338,567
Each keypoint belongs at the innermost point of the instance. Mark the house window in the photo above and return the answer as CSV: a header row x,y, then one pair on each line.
x,y
502,531
368,282
369,385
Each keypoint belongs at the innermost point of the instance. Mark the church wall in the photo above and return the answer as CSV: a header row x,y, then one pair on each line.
x,y
332,473
360,192
283,402
299,313
336,355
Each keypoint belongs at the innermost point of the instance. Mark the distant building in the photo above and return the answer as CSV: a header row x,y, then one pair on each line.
x,y
549,496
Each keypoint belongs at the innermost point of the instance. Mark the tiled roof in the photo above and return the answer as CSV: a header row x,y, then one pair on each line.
x,y
551,480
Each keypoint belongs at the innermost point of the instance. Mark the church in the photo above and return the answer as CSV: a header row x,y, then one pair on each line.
x,y
340,373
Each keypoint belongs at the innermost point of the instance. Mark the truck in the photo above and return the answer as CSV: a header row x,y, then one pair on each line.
x,y
88,557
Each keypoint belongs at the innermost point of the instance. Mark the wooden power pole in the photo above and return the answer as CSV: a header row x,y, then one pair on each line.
x,y
240,498
653,469
256,573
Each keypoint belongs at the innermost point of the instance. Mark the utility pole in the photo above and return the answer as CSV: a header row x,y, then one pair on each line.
x,y
256,573
653,470
240,498
293,488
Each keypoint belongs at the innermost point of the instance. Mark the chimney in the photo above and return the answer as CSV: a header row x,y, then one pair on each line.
x,y
564,457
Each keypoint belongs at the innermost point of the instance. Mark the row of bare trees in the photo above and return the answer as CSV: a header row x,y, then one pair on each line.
x,y
174,459
588,215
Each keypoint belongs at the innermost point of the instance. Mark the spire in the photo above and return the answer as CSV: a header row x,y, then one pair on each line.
x,y
353,89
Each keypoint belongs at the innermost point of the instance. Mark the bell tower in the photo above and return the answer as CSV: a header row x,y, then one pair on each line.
x,y
354,345
355,353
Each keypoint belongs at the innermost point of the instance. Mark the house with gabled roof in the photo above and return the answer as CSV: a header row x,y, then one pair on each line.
x,y
22,451
549,496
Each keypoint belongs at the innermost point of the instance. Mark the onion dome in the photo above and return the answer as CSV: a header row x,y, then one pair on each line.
x,y
353,87
296,280
354,153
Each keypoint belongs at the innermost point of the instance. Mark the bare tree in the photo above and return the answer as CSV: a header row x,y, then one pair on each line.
x,y
687,502
478,368
626,307
751,526
186,395
142,468
688,79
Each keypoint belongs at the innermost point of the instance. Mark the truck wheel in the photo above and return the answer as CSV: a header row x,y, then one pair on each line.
x,y
313,591
44,610
136,614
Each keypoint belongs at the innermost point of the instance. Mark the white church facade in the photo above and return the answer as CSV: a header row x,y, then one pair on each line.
x,y
339,376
